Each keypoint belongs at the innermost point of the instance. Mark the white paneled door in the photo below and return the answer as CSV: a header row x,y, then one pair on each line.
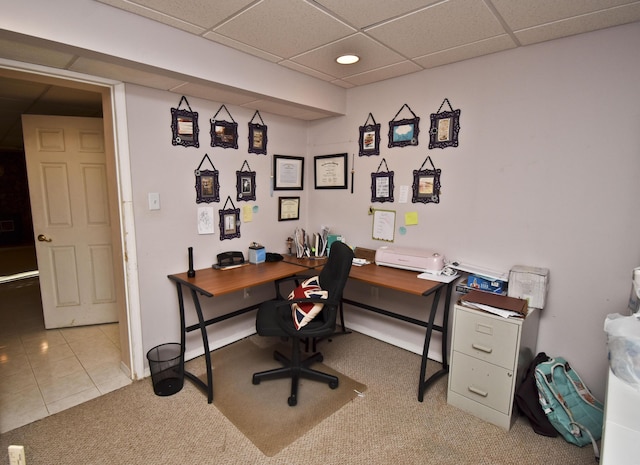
x,y
70,209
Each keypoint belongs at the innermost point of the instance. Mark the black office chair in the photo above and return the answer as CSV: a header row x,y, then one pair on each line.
x,y
275,319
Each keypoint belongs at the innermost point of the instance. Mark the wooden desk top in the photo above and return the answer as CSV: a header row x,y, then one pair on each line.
x,y
393,278
212,282
306,261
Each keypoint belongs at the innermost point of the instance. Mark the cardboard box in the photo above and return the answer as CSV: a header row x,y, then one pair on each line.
x,y
529,283
476,281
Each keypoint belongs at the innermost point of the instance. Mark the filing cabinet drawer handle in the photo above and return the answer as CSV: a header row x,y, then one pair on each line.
x,y
482,348
480,392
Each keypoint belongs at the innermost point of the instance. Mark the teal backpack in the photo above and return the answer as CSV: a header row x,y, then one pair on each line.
x,y
568,403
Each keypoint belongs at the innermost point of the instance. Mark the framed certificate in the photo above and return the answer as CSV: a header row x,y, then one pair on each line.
x,y
330,171
288,208
288,173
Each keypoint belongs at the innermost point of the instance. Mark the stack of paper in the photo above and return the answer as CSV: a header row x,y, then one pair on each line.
x,y
497,304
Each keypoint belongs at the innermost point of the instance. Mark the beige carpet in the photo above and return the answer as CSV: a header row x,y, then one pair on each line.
x,y
261,411
387,425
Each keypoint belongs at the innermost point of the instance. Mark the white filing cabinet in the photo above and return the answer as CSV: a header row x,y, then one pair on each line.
x,y
489,357
621,434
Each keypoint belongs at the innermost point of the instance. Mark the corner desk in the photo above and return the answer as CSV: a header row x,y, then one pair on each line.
x,y
210,282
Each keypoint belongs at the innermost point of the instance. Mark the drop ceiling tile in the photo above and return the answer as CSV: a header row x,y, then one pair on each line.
x,y
15,89
388,72
204,13
580,24
440,27
14,50
521,14
362,13
124,73
219,38
215,92
284,28
158,16
464,52
372,55
73,97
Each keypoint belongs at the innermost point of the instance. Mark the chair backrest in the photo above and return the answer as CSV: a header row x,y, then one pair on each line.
x,y
335,273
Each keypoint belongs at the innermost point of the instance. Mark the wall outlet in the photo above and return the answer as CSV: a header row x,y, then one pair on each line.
x,y
16,455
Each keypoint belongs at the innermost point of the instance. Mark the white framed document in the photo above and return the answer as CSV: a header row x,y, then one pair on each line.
x,y
384,225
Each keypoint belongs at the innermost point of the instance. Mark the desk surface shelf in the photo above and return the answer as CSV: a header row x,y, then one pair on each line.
x,y
211,282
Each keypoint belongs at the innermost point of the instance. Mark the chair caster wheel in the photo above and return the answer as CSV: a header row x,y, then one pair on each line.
x,y
333,384
319,358
255,380
292,401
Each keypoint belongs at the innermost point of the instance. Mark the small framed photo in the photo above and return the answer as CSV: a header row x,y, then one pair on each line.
x,y
207,186
382,187
445,126
404,132
245,185
330,171
444,129
426,186
229,223
288,208
288,173
184,125
369,140
224,134
257,139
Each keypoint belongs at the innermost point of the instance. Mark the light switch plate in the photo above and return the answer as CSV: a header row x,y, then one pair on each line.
x,y
154,201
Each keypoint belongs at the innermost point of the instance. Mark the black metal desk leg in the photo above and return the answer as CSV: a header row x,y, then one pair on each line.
x,y
445,326
425,352
205,343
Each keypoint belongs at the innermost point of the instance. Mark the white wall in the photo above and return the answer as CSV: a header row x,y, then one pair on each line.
x,y
546,174
163,236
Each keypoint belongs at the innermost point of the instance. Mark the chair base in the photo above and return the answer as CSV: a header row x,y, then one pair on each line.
x,y
295,369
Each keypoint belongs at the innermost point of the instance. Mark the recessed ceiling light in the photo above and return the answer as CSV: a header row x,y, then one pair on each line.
x,y
348,59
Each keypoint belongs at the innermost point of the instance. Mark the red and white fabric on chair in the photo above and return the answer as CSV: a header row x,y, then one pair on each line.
x,y
304,312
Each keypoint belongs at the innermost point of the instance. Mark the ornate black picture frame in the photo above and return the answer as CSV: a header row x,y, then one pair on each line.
x,y
207,186
207,183
288,208
245,184
224,133
382,184
445,126
404,132
369,140
330,171
426,184
184,126
229,221
257,136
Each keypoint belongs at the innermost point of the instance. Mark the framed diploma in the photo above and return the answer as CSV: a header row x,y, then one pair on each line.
x,y
288,173
288,208
330,171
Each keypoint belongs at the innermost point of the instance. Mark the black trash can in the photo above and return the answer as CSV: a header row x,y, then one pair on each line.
x,y
167,368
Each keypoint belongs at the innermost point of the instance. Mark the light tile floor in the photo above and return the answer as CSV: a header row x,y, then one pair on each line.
x,y
43,372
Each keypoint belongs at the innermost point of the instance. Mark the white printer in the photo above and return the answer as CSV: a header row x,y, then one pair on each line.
x,y
407,258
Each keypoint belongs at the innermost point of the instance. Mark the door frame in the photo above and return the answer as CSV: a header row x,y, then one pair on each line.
x,y
120,187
